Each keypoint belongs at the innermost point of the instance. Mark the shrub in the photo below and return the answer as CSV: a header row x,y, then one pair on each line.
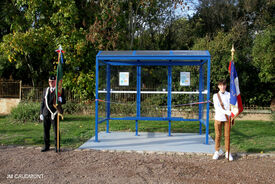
x,y
77,108
26,111
31,95
29,111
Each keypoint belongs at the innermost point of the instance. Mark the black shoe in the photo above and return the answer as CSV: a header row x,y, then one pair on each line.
x,y
45,149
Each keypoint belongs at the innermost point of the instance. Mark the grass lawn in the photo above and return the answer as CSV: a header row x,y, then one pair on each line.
x,y
75,130
246,136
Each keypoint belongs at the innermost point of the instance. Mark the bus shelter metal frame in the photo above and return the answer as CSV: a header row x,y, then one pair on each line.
x,y
154,58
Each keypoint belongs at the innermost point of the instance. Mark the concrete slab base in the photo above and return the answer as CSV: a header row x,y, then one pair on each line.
x,y
151,141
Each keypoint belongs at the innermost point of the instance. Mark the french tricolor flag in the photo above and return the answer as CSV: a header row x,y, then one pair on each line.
x,y
236,105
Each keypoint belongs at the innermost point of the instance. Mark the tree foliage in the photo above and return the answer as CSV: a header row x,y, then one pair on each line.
x,y
31,31
52,23
263,55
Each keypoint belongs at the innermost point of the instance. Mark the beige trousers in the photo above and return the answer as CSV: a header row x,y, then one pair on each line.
x,y
218,133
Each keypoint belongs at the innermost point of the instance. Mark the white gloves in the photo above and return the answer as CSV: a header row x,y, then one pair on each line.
x,y
60,99
41,117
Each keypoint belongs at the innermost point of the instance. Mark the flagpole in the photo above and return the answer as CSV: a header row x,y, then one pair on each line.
x,y
57,105
57,123
232,52
229,119
57,133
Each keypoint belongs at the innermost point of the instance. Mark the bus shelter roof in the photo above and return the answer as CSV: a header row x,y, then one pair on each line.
x,y
156,57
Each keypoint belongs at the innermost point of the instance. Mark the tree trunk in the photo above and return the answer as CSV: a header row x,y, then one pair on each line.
x,y
272,105
31,71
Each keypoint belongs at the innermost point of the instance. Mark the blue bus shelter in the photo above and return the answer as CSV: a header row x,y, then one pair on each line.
x,y
139,59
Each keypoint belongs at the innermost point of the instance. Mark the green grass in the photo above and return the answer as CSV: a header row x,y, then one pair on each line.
x,y
75,130
253,136
246,136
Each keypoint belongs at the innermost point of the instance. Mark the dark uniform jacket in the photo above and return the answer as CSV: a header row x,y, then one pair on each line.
x,y
51,101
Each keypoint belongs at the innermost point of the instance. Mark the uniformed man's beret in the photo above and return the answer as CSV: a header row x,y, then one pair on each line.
x,y
52,77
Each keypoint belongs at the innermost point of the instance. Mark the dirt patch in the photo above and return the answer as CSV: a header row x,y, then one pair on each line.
x,y
242,116
6,105
29,165
255,117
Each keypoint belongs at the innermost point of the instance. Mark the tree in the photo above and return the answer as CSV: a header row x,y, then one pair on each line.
x,y
129,24
219,49
48,24
214,16
27,50
263,55
104,32
30,32
179,35
257,14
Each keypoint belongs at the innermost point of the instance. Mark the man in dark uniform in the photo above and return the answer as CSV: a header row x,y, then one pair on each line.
x,y
48,113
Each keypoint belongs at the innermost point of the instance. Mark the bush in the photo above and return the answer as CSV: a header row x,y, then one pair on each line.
x,y
31,95
26,111
30,111
77,108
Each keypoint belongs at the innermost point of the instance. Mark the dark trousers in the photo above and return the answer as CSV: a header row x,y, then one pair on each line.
x,y
47,127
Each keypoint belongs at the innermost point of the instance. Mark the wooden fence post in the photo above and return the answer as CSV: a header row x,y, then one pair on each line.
x,y
20,90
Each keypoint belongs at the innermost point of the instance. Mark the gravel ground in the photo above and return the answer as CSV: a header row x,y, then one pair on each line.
x,y
29,165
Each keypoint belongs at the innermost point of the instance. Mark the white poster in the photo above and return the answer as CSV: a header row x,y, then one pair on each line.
x,y
185,78
124,78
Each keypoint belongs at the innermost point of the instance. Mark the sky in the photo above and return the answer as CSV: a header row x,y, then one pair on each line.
x,y
182,11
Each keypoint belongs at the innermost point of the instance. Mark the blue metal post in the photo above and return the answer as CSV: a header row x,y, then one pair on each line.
x,y
108,96
96,101
208,98
138,95
201,88
169,97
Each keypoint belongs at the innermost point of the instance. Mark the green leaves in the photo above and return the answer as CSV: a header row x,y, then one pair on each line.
x,y
263,55
31,31
50,23
103,33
